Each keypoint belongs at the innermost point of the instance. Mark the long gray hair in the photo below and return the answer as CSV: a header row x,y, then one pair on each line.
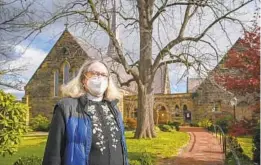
x,y
75,89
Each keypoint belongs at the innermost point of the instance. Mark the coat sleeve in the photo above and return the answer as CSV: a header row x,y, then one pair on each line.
x,y
55,145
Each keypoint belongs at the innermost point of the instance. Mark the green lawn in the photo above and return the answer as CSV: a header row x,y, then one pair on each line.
x,y
30,146
167,144
246,144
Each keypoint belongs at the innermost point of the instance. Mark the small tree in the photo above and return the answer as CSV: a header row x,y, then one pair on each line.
x,y
243,63
242,73
12,123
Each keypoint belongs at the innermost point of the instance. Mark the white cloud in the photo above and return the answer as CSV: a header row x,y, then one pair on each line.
x,y
31,57
18,94
13,91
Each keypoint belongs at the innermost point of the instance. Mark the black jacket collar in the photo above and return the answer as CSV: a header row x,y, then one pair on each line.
x,y
84,100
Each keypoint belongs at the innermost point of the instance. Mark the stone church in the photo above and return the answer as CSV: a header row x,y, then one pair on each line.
x,y
62,64
204,98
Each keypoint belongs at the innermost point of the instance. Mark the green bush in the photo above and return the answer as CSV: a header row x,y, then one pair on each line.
x,y
134,162
225,122
146,159
193,124
40,123
230,160
156,128
12,123
165,128
211,128
233,142
206,123
174,125
30,160
256,143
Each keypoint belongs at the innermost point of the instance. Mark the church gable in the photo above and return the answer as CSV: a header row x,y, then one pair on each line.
x,y
59,66
195,84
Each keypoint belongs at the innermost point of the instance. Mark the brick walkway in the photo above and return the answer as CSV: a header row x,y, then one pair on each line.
x,y
203,149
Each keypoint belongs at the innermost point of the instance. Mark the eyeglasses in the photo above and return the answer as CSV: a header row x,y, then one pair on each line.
x,y
90,74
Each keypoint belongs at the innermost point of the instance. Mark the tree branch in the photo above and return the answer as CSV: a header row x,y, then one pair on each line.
x,y
214,22
114,41
165,5
180,39
17,85
127,83
127,18
185,21
160,10
186,3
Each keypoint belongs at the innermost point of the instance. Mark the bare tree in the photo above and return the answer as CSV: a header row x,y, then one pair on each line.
x,y
146,16
16,26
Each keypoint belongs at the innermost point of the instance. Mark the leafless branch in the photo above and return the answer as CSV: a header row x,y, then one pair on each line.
x,y
160,10
180,38
214,22
127,83
114,40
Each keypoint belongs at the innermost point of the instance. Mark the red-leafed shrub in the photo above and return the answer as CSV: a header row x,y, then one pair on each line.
x,y
242,127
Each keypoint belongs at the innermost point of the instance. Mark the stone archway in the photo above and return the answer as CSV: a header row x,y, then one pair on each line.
x,y
130,110
186,114
161,113
185,108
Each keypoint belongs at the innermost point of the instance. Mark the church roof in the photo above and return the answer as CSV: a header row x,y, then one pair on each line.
x,y
160,80
193,85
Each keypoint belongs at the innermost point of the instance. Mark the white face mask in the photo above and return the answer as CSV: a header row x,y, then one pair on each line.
x,y
97,86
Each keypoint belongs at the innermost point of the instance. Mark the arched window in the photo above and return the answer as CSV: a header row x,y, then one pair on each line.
x,y
177,111
56,83
176,108
74,73
217,106
185,108
134,113
66,72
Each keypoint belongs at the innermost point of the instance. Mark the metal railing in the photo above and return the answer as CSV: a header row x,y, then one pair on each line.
x,y
226,144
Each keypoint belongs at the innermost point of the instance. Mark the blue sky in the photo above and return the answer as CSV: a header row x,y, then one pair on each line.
x,y
43,43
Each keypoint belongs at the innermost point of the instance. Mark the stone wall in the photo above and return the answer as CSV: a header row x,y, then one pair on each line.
x,y
212,101
40,89
164,107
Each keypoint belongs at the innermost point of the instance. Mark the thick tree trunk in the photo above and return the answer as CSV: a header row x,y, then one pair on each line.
x,y
145,126
145,122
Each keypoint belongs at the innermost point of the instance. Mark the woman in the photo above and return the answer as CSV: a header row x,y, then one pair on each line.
x,y
87,127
